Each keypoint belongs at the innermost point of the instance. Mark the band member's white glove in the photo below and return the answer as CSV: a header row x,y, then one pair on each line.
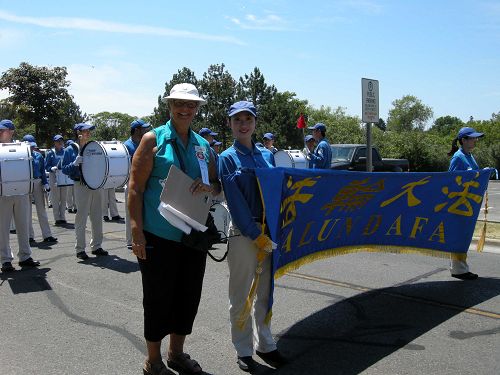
x,y
53,169
78,161
46,187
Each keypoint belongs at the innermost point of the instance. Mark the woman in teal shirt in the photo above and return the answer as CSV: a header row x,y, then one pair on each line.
x,y
172,274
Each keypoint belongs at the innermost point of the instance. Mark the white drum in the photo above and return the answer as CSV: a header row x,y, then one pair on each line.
x,y
16,172
63,180
105,164
222,218
290,159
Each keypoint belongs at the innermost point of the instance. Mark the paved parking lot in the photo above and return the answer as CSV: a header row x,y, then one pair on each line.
x,y
354,314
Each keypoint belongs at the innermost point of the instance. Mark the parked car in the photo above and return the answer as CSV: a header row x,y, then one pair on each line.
x,y
352,157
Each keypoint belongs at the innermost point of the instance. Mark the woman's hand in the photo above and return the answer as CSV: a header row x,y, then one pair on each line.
x,y
139,246
198,187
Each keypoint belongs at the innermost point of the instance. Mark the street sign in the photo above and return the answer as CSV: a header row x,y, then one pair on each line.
x,y
369,93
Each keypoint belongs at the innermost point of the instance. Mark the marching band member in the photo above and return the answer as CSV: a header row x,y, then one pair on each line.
x,y
268,140
88,201
462,160
40,186
53,163
70,192
321,158
310,143
247,240
138,128
18,208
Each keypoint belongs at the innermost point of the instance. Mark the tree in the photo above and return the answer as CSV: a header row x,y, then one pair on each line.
x,y
160,114
447,125
254,88
341,128
111,125
218,87
40,100
409,113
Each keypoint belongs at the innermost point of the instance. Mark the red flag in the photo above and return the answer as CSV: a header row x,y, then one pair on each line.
x,y
301,122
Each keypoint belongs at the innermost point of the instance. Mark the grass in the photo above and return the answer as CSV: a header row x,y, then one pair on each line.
x,y
492,230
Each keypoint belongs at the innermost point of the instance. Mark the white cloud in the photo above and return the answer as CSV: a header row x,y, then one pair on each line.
x,y
270,22
73,23
117,88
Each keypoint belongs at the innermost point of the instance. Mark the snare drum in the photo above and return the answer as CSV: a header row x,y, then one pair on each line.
x,y
105,164
222,218
63,180
16,172
290,159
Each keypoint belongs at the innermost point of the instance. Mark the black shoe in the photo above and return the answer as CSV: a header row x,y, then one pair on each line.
x,y
13,231
274,358
49,240
7,267
82,255
70,210
106,218
32,241
60,222
50,206
100,252
246,363
117,218
466,276
29,263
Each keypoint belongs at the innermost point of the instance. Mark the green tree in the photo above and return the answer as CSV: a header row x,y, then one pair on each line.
x,y
254,88
409,113
111,125
40,100
447,125
341,128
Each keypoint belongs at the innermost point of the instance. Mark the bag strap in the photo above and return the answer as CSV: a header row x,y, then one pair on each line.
x,y
175,146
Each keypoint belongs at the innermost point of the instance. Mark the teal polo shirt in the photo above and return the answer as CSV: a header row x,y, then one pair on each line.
x,y
164,158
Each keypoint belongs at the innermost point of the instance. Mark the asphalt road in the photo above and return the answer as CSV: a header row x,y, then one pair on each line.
x,y
493,202
354,314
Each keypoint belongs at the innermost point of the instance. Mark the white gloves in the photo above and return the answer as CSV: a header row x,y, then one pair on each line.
x,y
46,187
53,169
78,161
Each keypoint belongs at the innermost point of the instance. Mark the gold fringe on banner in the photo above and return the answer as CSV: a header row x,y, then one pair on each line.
x,y
363,249
482,236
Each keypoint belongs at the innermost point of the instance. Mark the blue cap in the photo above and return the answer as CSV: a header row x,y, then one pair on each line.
x,y
469,132
138,123
215,143
308,138
318,126
207,131
6,124
69,142
33,144
269,136
83,126
242,107
29,138
57,137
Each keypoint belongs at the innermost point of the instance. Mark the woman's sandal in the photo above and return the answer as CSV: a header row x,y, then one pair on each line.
x,y
184,364
157,368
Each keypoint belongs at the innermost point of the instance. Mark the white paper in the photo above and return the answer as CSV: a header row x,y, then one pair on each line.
x,y
172,219
192,223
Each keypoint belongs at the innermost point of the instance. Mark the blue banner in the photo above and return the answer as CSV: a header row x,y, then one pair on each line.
x,y
314,213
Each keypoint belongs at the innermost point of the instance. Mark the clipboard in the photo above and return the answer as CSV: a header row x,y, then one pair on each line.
x,y
192,209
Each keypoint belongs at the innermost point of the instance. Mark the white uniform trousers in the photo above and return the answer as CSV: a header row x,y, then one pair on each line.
x,y
242,263
70,197
128,230
59,194
458,267
43,220
88,203
17,207
109,200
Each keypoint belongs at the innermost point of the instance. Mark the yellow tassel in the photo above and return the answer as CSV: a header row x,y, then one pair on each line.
x,y
482,237
245,313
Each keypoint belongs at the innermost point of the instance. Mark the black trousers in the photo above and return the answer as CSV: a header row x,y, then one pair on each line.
x,y
172,280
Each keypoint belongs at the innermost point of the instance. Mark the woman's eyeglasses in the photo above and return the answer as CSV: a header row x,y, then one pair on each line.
x,y
182,103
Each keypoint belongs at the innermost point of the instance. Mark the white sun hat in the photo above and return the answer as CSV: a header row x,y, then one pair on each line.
x,y
184,91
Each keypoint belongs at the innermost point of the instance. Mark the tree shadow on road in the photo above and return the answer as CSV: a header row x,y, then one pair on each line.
x,y
27,280
351,335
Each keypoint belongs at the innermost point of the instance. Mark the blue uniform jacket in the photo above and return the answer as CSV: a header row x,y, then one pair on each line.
x,y
70,154
54,159
322,156
38,164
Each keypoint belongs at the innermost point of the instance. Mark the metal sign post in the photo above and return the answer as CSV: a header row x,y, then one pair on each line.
x,y
370,113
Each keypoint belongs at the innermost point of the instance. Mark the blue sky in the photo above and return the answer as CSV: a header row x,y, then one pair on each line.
x,y
119,54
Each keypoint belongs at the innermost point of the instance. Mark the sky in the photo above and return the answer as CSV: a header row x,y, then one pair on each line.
x,y
119,54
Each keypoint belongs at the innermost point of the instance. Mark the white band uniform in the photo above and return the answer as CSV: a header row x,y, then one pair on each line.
x,y
105,164
290,159
16,173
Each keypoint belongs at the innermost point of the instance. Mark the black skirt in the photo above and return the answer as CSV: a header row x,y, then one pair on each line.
x,y
172,279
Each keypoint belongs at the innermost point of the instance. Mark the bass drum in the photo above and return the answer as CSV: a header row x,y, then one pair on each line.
x,y
222,219
16,173
290,159
105,164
